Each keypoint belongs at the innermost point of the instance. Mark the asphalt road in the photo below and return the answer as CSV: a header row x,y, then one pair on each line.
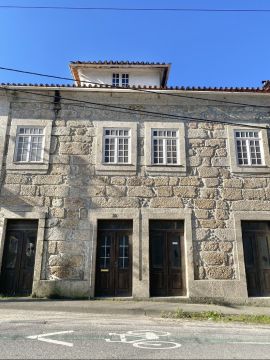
x,y
97,336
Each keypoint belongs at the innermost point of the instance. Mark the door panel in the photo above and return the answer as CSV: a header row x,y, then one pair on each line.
x,y
114,262
19,258
166,275
256,243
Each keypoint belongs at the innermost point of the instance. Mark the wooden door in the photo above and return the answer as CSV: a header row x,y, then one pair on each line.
x,y
19,258
166,258
114,263
256,243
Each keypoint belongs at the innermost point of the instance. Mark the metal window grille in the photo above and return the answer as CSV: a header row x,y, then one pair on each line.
x,y
115,80
29,144
165,147
248,147
116,146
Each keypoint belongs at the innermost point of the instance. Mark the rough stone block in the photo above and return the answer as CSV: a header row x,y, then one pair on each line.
x,y
220,134
134,181
196,142
232,194
173,181
220,272
209,193
114,190
18,179
255,183
197,134
205,204
213,257
59,169
208,172
226,246
202,214
164,191
219,143
194,161
74,148
201,234
118,180
185,191
212,223
57,212
233,183
123,202
61,130
47,179
141,191
211,182
221,152
210,245
57,202
166,202
254,194
54,190
222,214
190,181
28,190
161,181
205,151
220,161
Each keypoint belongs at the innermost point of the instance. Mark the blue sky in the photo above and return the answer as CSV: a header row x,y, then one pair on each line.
x,y
205,49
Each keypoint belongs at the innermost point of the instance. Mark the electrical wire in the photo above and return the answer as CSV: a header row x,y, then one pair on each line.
x,y
133,89
115,108
133,9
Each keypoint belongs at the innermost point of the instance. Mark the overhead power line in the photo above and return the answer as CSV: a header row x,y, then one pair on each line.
x,y
133,9
152,91
116,108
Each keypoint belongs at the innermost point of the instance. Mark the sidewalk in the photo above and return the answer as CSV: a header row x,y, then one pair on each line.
x,y
124,307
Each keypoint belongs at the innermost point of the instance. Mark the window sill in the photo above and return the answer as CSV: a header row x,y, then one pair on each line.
x,y
115,169
251,169
165,169
40,168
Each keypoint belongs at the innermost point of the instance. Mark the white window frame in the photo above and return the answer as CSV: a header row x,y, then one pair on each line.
x,y
40,167
161,169
29,149
120,79
164,146
264,148
116,139
247,140
106,168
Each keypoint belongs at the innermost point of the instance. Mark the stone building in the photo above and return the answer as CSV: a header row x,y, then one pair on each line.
x,y
120,186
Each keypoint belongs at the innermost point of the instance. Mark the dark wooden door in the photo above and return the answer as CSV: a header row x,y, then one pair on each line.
x,y
166,258
114,263
18,258
256,243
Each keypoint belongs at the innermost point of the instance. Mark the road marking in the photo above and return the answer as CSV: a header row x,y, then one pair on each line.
x,y
145,339
44,337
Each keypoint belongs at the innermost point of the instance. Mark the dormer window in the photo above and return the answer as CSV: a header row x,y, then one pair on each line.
x,y
124,80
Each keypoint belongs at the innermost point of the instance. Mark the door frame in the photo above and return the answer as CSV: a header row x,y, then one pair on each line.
x,y
39,271
115,232
171,214
113,214
240,216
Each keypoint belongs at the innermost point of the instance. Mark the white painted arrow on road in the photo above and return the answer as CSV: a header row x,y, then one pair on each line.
x,y
44,337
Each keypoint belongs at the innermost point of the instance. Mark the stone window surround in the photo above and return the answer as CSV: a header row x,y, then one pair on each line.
x,y
39,272
240,216
116,169
140,244
35,167
248,169
158,169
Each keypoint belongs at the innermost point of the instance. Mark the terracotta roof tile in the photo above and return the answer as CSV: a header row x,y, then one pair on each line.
x,y
264,89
